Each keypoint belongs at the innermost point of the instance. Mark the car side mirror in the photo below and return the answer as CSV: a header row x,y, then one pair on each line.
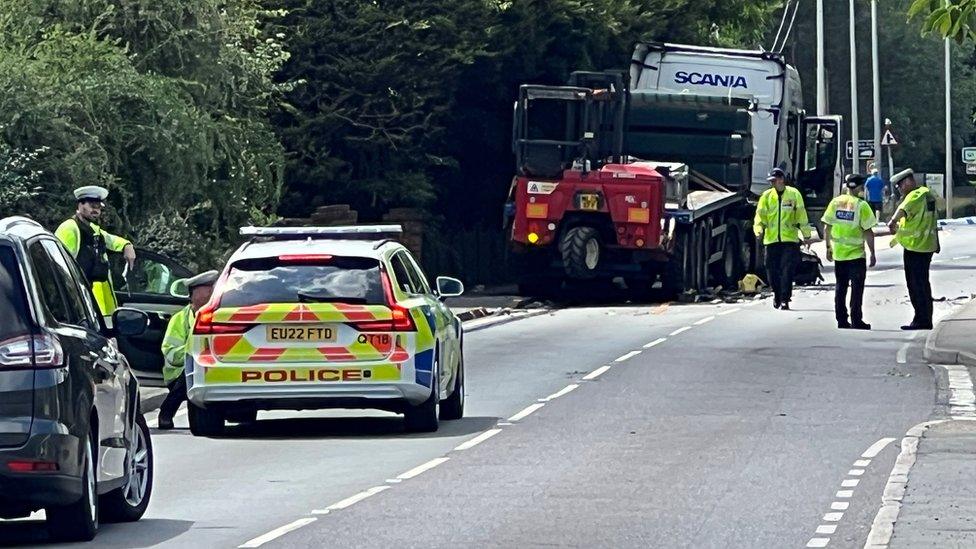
x,y
449,287
178,289
129,322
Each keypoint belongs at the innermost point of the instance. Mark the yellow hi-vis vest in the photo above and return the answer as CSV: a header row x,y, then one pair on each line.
x,y
70,235
848,217
176,341
781,220
918,230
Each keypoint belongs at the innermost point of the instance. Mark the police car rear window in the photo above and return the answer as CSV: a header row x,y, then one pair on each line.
x,y
297,279
13,303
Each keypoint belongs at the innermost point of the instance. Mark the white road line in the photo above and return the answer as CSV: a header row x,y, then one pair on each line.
x,y
529,410
278,532
902,356
818,542
876,448
844,494
422,468
351,500
960,258
680,331
862,463
596,373
628,356
477,440
833,517
705,320
826,528
730,311
850,483
657,341
839,506
855,472
562,392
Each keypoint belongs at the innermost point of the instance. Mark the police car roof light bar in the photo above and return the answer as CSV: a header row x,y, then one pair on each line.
x,y
345,232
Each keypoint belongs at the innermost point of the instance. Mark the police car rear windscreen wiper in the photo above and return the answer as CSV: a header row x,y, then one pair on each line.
x,y
314,298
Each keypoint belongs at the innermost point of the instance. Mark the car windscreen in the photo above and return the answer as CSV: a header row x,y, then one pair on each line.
x,y
322,279
13,302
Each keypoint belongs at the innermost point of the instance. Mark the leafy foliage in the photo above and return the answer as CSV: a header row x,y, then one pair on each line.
x,y
955,19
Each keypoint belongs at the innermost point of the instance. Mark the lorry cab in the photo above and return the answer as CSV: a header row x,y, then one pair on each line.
x,y
782,134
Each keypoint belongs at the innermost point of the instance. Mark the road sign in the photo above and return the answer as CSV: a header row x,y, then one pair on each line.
x,y
888,139
970,169
866,149
969,155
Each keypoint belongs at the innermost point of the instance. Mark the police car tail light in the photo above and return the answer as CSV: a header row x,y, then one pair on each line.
x,y
26,352
400,320
305,258
205,324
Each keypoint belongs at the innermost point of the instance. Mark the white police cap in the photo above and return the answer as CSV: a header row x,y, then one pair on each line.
x,y
91,192
898,177
208,278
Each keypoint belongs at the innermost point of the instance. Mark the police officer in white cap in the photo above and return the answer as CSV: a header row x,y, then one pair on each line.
x,y
89,244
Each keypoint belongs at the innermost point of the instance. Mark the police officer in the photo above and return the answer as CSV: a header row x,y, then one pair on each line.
x,y
915,228
89,244
780,218
176,344
847,226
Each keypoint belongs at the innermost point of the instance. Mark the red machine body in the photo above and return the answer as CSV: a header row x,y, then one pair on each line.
x,y
625,198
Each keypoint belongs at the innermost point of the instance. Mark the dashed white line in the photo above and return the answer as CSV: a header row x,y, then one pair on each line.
x,y
562,392
278,532
422,468
818,542
351,500
477,440
705,320
843,494
530,409
596,373
826,528
833,517
862,463
839,505
657,341
876,448
680,331
730,311
850,483
960,258
628,356
855,472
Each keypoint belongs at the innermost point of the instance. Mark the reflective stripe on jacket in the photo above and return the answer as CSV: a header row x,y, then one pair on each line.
x,y
781,220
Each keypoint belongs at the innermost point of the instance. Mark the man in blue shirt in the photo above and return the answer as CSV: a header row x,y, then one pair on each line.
x,y
874,188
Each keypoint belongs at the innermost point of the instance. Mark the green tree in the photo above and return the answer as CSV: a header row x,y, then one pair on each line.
x,y
955,19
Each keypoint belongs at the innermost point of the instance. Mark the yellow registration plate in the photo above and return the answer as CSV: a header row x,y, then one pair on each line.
x,y
589,202
316,334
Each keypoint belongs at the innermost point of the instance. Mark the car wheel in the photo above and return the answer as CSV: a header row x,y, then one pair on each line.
x,y
453,405
242,416
129,503
78,521
205,422
422,418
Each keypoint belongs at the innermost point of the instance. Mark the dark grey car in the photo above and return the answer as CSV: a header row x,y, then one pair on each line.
x,y
72,438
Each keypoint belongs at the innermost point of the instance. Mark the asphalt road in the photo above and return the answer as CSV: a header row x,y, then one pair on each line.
x,y
738,431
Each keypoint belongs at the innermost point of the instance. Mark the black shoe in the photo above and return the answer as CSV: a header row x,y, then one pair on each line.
x,y
843,325
914,326
860,326
777,304
785,306
165,424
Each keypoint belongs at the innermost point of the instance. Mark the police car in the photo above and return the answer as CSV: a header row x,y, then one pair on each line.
x,y
314,318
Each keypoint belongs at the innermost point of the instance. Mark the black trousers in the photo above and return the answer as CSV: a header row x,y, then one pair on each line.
x,y
176,396
781,261
917,265
850,273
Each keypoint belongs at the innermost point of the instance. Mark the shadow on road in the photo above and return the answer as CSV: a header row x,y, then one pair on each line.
x,y
152,532
366,427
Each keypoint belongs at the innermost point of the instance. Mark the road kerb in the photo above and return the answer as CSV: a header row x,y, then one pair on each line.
x,y
936,353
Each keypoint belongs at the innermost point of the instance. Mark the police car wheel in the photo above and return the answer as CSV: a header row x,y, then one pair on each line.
x,y
453,406
422,418
205,422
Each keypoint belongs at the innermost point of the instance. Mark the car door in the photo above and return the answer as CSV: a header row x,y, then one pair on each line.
x,y
147,288
443,321
90,358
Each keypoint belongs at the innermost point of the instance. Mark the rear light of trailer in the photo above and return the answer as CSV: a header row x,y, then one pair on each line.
x,y
26,352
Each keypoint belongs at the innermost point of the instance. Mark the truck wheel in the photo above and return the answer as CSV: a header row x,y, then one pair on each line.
x,y
580,248
680,266
700,281
732,258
